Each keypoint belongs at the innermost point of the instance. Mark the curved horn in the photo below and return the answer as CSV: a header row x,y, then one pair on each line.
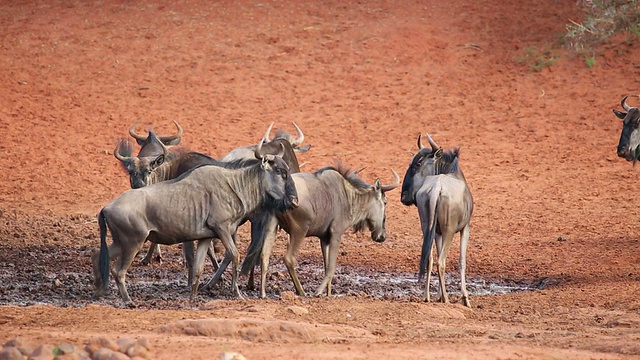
x,y
396,182
266,135
624,104
172,139
119,155
433,144
420,146
258,151
300,138
132,132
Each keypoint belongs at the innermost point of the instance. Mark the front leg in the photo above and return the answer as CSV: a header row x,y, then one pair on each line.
x,y
198,266
232,254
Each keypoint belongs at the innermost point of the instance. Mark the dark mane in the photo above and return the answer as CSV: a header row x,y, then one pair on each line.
x,y
448,162
351,177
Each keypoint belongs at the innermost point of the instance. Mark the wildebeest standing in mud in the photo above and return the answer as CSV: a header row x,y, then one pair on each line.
x,y
435,183
330,201
206,202
629,144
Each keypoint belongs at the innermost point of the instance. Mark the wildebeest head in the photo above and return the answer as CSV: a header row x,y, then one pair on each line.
x,y
426,162
630,136
139,168
279,183
153,147
374,216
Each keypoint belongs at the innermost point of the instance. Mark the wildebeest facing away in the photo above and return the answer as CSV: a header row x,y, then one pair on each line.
x,y
435,183
330,201
630,135
206,202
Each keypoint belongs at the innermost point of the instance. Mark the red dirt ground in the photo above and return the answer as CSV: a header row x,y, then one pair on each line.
x,y
362,79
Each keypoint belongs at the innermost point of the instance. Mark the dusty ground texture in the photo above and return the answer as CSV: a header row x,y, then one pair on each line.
x,y
362,79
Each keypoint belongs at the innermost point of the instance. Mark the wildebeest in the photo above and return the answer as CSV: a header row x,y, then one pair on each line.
x,y
330,201
435,183
206,202
246,152
630,137
165,166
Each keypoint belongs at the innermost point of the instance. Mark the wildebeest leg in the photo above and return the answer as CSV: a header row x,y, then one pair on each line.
x,y
211,253
127,255
295,240
427,294
232,253
324,246
464,241
153,248
218,274
447,239
334,246
270,232
103,289
189,259
198,266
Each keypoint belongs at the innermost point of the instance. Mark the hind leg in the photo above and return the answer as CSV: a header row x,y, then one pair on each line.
x,y
332,256
217,276
271,231
102,289
127,256
198,265
443,250
153,248
464,242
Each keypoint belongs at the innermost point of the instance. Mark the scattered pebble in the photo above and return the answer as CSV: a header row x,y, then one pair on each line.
x,y
298,310
231,356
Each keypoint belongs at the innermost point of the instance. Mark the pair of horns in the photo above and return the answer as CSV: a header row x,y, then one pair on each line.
x,y
167,139
124,149
433,144
294,142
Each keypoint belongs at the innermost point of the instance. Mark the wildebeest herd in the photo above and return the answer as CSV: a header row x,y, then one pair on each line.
x,y
180,196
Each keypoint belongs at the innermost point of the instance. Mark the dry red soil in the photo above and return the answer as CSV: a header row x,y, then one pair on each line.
x,y
362,79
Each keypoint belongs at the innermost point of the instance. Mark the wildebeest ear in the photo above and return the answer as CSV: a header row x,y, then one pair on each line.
x,y
157,161
265,162
620,114
437,154
377,185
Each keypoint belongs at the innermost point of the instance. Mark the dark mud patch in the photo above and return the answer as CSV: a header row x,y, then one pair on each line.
x,y
62,277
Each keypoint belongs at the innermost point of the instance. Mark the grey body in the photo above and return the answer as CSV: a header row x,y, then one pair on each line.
x,y
435,183
330,201
204,203
629,144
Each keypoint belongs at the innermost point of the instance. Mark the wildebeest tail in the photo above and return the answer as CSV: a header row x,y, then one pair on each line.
x,y
104,251
430,234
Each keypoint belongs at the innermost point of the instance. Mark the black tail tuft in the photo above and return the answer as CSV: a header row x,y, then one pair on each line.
x,y
104,251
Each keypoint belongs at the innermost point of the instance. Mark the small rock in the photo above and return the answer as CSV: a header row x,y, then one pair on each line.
x,y
66,348
42,352
10,353
125,343
108,354
560,238
71,356
519,335
231,356
287,296
57,283
144,342
298,310
139,351
96,343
